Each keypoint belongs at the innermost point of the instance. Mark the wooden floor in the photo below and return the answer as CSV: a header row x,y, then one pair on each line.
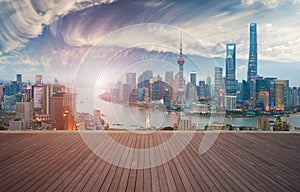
x,y
237,161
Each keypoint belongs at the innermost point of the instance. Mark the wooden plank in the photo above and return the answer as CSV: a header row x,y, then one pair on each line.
x,y
63,161
147,163
190,177
184,183
109,177
160,182
103,169
122,185
246,159
65,178
167,167
139,184
33,167
270,163
237,161
154,178
198,174
230,182
94,175
133,172
201,166
17,155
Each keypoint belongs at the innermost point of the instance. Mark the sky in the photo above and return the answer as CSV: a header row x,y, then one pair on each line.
x,y
88,41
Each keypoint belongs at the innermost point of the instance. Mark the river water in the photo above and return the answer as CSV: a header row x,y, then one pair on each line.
x,y
122,116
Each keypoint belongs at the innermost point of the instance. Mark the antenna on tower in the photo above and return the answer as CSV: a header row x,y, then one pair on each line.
x,y
180,44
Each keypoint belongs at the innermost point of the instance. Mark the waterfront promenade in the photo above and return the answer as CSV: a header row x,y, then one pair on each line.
x,y
237,161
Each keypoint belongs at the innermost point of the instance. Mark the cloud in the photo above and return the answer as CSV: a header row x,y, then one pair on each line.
x,y
2,67
270,4
25,19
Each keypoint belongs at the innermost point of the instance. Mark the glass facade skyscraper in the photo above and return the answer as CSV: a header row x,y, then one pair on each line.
x,y
131,79
193,76
218,80
252,63
19,78
230,78
270,86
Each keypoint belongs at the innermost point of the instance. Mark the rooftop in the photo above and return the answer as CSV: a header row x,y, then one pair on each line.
x,y
62,161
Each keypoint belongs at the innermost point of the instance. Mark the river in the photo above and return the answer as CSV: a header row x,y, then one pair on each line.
x,y
131,117
122,116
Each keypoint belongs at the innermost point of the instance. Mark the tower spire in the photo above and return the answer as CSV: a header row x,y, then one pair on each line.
x,y
180,44
180,60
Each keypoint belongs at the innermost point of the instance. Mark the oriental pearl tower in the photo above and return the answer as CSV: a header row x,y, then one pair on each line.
x,y
180,80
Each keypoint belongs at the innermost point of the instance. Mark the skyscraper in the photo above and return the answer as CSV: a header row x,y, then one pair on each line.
x,y
262,101
146,75
19,82
24,110
1,89
69,101
169,81
244,91
269,86
19,78
252,63
57,110
193,76
202,90
169,78
131,79
191,92
38,97
191,88
218,80
156,90
230,78
39,80
208,83
56,81
294,97
281,90
49,90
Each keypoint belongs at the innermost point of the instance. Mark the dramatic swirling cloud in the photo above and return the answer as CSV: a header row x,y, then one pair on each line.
x,y
25,19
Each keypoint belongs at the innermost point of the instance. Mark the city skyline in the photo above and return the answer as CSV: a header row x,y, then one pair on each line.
x,y
52,41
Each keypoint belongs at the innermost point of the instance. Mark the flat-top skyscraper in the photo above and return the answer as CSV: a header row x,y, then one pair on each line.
x,y
131,79
169,78
218,80
193,77
252,63
19,78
